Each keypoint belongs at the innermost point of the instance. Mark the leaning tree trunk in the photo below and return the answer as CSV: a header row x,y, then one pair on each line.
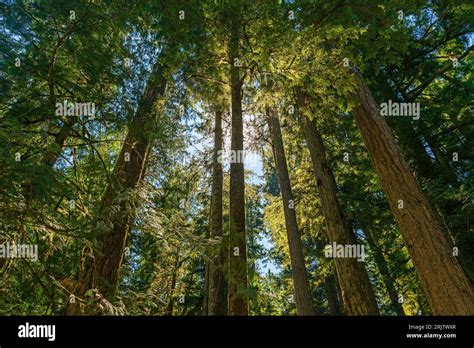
x,y
237,276
303,298
415,150
447,288
356,291
387,278
102,271
216,304
51,156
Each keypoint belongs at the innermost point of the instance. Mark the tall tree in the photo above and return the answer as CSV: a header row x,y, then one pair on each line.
x,y
238,300
384,272
357,294
303,299
446,286
216,301
102,270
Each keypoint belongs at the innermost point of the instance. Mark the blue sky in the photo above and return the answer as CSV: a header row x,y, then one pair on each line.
x,y
252,162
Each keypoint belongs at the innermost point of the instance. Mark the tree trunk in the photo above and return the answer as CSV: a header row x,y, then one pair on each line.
x,y
446,286
387,278
303,298
205,302
238,299
103,271
449,208
416,149
356,291
51,157
216,297
174,278
331,295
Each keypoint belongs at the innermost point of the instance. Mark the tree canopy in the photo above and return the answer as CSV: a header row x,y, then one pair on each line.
x,y
235,157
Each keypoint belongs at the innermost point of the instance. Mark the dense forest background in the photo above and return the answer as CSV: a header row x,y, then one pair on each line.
x,y
199,157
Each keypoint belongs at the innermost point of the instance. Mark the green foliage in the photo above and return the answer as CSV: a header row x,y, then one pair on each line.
x,y
51,191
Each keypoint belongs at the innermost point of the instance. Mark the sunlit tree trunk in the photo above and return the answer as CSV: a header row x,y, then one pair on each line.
x,y
447,288
216,297
303,298
238,299
438,169
102,271
356,291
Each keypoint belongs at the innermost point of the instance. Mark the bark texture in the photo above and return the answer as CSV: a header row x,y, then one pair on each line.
x,y
356,291
237,275
303,298
447,288
216,301
101,270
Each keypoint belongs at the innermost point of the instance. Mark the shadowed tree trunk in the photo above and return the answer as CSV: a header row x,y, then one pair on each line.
x,y
332,288
331,295
216,297
174,278
51,157
102,270
205,303
447,288
238,299
387,278
356,291
303,299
